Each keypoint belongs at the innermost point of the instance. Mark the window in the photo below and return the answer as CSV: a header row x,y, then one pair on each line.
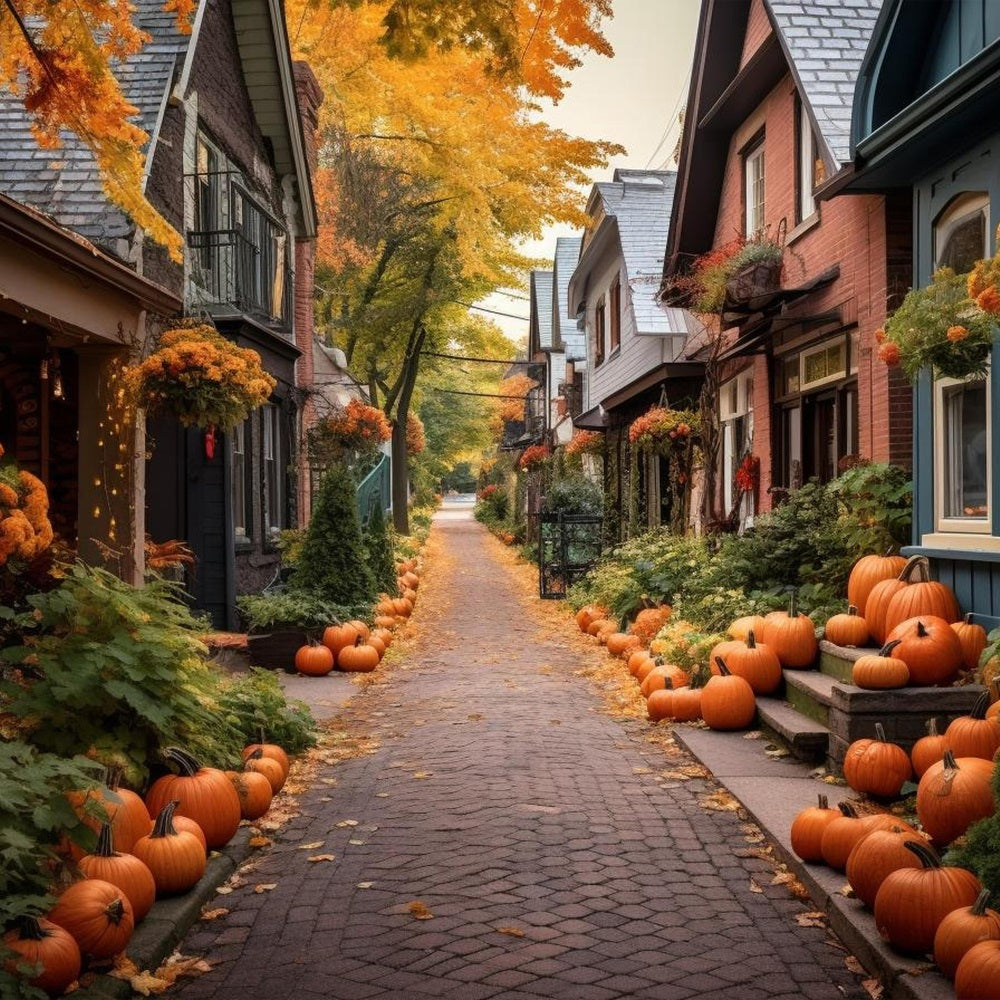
x,y
599,321
274,505
823,364
961,408
240,471
736,425
262,256
810,166
753,188
616,315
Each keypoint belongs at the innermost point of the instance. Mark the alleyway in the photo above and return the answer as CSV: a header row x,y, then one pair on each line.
x,y
551,849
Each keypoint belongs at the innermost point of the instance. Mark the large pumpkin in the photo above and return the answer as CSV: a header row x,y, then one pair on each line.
x,y
126,871
267,766
727,701
204,794
974,735
336,637
929,647
842,834
756,663
912,902
175,857
978,973
868,571
126,812
920,597
876,855
358,657
961,929
47,947
622,644
314,660
97,914
877,766
660,704
791,635
952,795
686,705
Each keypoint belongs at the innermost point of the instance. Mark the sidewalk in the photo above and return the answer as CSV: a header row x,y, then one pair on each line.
x,y
499,834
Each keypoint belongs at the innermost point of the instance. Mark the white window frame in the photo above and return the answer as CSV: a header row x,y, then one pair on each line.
x,y
960,209
735,401
238,472
837,376
754,181
808,154
271,471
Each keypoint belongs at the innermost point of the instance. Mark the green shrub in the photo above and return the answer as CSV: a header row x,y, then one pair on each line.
x,y
333,564
574,495
255,705
293,609
378,543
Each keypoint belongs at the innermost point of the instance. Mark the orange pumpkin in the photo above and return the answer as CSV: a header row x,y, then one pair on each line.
x,y
842,834
876,855
664,676
974,735
792,636
757,664
687,703
649,621
336,637
881,671
953,794
313,660
847,629
254,790
727,701
622,644
877,767
929,647
928,749
97,914
660,704
868,571
978,973
271,770
126,812
175,857
636,659
359,658
916,595
961,929
808,827
973,640
742,627
125,871
271,750
46,947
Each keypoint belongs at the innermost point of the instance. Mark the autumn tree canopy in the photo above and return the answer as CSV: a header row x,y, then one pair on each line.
x,y
58,58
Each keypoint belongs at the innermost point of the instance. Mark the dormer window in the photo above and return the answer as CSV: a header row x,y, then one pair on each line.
x,y
810,165
753,186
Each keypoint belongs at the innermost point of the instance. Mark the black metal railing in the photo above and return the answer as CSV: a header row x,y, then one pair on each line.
x,y
228,270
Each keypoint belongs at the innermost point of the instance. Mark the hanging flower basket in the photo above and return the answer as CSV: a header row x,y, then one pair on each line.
x,y
754,281
534,457
201,378
356,429
660,429
586,443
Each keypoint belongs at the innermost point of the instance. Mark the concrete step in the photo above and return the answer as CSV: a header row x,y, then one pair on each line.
x,y
811,693
806,738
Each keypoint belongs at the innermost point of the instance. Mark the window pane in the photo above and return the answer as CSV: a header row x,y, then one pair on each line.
x,y
239,480
791,375
755,192
964,415
964,244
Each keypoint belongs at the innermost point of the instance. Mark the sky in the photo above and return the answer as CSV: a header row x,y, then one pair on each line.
x,y
632,99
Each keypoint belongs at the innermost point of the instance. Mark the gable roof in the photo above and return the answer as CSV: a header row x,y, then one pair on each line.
x,y
565,334
64,183
541,310
825,44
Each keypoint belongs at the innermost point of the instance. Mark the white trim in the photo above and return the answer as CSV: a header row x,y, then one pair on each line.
x,y
180,88
822,348
961,542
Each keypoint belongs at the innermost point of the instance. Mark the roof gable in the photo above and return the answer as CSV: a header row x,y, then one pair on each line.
x,y
565,333
541,311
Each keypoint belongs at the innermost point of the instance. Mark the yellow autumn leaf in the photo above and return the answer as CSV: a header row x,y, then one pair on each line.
x,y
260,841
419,911
265,886
322,857
219,911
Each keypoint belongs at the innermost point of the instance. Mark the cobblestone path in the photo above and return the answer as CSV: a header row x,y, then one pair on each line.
x,y
559,853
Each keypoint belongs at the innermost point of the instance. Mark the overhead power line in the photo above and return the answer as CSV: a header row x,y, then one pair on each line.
x,y
489,361
487,395
495,312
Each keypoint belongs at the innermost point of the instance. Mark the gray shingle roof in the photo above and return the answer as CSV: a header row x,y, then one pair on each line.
x,y
541,306
565,334
825,41
640,201
63,182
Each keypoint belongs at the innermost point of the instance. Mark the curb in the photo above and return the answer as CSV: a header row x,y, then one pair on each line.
x,y
901,978
170,919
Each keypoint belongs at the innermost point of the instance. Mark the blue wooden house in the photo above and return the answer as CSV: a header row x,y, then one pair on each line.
x,y
925,120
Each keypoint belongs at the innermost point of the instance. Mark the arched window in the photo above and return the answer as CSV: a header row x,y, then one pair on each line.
x,y
960,232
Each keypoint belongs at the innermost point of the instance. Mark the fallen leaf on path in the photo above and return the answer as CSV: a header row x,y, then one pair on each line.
x,y
312,846
419,911
815,919
265,886
146,984
720,801
322,857
123,968
223,890
754,887
219,911
423,774
875,989
381,795
512,931
365,885
347,822
260,841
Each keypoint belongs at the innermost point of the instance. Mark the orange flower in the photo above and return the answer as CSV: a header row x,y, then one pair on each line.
x,y
957,333
989,300
888,354
880,336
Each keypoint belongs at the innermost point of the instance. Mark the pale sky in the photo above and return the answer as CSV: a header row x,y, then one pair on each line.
x,y
633,99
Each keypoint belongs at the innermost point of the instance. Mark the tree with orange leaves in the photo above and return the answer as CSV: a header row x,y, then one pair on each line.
x,y
58,58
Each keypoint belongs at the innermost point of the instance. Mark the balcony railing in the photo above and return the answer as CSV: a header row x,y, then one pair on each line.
x,y
230,272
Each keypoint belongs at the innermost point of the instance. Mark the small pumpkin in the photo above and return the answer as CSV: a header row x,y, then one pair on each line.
x,y
358,658
929,647
978,973
126,871
808,828
756,663
912,902
687,703
660,704
588,614
254,790
175,857
877,767
791,635
649,621
847,629
97,914
953,794
204,793
974,735
727,701
386,621
876,855
636,659
881,671
973,640
271,750
743,626
184,824
622,644
662,676
961,929
41,944
267,766
928,749
868,571
313,660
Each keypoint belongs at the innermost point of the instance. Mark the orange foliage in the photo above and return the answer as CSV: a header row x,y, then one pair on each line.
x,y
517,386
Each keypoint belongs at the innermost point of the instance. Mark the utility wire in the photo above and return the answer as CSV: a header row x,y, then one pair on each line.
x,y
495,312
491,361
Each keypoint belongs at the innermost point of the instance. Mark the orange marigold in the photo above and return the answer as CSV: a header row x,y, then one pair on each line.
x,y
888,354
989,300
957,333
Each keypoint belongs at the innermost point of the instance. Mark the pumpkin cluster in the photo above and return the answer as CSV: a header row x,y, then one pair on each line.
x,y
147,847
353,646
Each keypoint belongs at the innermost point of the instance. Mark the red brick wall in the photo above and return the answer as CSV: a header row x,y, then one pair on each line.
x,y
861,235
758,28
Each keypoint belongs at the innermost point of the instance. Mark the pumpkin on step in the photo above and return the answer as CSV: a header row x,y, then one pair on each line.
x,y
791,635
929,647
881,671
757,664
868,571
974,735
848,629
877,767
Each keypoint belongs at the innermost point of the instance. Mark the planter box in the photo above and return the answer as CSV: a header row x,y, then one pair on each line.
x,y
276,650
755,281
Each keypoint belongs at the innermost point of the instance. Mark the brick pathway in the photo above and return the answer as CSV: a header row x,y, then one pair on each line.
x,y
560,855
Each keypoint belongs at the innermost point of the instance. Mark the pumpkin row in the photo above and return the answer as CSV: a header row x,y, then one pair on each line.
x,y
138,858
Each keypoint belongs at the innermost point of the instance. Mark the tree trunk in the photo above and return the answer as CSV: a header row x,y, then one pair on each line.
x,y
400,457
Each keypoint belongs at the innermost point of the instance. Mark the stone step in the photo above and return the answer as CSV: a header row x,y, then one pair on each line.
x,y
811,693
804,737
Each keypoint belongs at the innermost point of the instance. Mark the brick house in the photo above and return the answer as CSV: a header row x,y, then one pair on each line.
x,y
767,123
227,164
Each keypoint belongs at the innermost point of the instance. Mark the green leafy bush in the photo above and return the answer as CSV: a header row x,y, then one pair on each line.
x,y
333,563
574,495
293,609
378,543
255,706
114,671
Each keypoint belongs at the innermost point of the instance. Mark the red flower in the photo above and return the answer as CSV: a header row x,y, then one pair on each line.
x,y
888,354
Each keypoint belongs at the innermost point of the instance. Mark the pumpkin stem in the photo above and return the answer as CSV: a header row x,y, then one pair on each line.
x,y
824,802
932,729
915,565
968,618
164,825
115,911
921,630
880,732
793,605
950,764
751,640
978,908
852,610
189,765
927,855
887,649
721,664
848,810
979,709
113,776
29,929
105,846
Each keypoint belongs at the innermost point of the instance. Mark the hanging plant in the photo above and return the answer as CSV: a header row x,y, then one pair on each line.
x,y
351,430
25,529
586,443
534,457
660,428
201,378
